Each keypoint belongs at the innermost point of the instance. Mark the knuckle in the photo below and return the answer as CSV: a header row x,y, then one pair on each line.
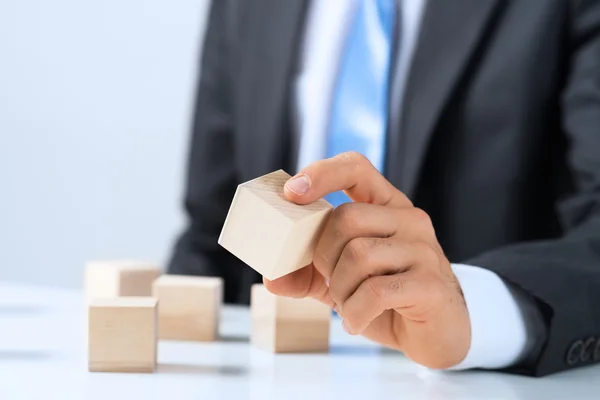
x,y
354,156
397,285
420,213
377,242
355,159
423,219
346,218
357,250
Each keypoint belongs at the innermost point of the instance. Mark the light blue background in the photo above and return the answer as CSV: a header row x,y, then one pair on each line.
x,y
95,106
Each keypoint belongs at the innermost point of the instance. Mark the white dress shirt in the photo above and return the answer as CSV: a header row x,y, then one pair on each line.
x,y
498,328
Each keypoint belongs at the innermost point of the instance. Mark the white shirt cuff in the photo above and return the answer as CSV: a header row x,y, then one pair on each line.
x,y
498,327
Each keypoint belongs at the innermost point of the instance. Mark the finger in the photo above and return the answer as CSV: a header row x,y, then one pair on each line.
x,y
347,222
374,296
351,172
305,282
352,220
411,293
366,257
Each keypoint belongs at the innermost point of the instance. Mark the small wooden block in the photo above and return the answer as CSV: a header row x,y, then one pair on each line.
x,y
189,307
286,325
122,334
269,233
119,278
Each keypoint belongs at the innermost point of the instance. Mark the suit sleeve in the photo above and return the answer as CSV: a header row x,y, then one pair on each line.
x,y
211,174
562,276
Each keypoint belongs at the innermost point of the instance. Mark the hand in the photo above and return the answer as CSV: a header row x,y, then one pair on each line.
x,y
379,264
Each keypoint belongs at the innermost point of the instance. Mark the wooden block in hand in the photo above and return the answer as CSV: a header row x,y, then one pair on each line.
x,y
189,307
269,233
122,334
286,325
119,278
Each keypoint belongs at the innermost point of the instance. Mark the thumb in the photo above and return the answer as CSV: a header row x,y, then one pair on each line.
x,y
305,282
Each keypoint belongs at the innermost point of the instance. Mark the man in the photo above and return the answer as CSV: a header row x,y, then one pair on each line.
x,y
464,131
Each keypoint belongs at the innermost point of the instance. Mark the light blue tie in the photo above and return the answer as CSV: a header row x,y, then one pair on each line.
x,y
359,103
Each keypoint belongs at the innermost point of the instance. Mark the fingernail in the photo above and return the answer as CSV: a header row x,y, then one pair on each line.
x,y
299,184
327,282
345,326
336,309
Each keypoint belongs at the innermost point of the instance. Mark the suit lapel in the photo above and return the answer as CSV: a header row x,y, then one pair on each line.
x,y
267,73
450,34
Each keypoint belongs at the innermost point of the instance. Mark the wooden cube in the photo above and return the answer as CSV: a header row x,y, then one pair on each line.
x,y
269,233
119,278
286,325
122,334
189,307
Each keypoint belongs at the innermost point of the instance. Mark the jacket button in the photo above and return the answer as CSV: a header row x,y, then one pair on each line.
x,y
574,354
588,349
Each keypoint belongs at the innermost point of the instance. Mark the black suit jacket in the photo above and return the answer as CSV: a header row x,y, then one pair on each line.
x,y
499,142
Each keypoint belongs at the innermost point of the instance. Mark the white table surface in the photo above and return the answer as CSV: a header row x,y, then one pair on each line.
x,y
43,356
